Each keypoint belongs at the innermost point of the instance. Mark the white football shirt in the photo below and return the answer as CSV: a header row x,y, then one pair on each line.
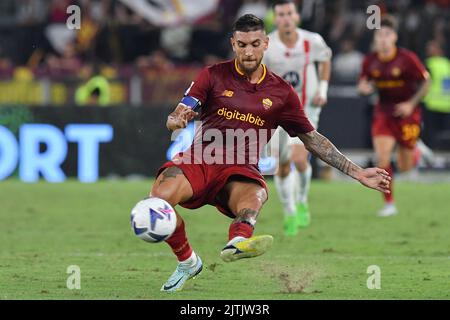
x,y
296,65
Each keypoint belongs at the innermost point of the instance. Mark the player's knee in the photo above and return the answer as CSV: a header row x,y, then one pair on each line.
x,y
261,197
166,194
299,157
255,201
301,164
284,169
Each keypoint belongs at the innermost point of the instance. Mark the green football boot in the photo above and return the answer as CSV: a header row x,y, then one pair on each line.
x,y
303,215
290,226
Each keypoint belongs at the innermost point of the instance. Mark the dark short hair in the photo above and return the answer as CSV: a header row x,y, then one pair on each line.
x,y
282,2
389,22
247,23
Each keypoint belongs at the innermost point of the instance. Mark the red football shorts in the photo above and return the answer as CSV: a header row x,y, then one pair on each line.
x,y
406,131
208,180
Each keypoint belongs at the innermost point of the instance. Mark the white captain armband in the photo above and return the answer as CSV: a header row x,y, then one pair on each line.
x,y
191,102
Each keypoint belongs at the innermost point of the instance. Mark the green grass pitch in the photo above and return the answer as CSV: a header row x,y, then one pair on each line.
x,y
44,228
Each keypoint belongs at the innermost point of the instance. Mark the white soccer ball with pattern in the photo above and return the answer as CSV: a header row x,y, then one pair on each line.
x,y
153,219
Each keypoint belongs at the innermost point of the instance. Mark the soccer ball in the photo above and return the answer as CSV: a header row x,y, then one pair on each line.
x,y
153,220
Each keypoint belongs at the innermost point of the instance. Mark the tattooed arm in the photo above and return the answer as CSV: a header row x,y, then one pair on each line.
x,y
322,148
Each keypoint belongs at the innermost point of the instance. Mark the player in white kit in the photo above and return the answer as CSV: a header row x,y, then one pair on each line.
x,y
292,54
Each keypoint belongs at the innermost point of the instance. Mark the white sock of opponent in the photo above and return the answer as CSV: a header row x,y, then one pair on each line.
x,y
286,191
305,183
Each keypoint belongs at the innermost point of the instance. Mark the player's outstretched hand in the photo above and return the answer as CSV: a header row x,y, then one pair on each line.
x,y
180,117
376,178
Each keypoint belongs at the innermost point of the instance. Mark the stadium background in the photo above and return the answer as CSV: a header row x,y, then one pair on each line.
x,y
143,58
127,67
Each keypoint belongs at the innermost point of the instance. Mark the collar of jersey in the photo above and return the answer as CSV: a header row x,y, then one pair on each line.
x,y
241,73
390,58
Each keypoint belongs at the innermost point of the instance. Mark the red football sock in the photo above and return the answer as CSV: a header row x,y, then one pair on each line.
x,y
240,229
179,243
389,197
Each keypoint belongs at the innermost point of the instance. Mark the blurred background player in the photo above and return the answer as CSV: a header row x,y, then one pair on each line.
x,y
437,100
401,81
292,54
96,91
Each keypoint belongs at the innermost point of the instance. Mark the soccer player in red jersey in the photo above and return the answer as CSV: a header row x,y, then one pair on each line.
x,y
237,97
401,81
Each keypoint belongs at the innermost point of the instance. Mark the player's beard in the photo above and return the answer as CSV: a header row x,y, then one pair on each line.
x,y
250,69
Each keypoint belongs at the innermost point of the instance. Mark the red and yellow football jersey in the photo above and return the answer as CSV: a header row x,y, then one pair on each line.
x,y
396,78
229,101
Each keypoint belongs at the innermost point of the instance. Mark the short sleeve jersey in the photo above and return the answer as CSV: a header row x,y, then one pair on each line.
x,y
229,103
396,79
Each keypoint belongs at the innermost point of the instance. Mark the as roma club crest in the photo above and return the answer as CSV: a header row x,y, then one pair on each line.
x,y
396,71
267,103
